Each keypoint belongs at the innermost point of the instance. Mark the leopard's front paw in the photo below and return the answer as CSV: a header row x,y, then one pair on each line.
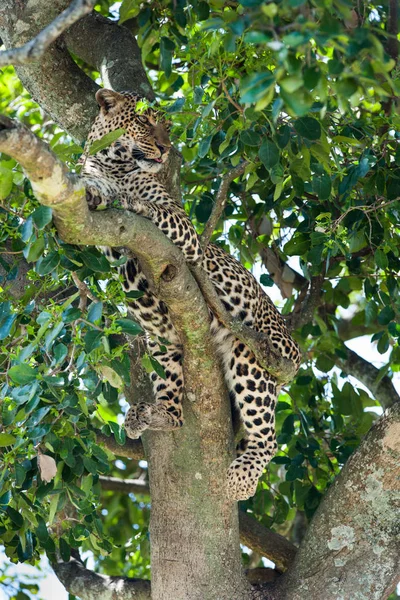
x,y
159,417
95,201
137,420
242,480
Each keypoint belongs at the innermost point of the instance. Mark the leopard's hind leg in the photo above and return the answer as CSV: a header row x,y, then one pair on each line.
x,y
255,393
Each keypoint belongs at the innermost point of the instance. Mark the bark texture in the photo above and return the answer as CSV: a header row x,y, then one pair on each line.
x,y
352,546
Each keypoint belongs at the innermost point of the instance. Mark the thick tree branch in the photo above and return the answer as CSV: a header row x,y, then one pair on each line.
x,y
34,49
113,51
220,202
89,585
266,542
56,82
382,389
126,486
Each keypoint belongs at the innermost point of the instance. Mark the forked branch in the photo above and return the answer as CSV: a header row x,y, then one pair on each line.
x,y
220,202
34,49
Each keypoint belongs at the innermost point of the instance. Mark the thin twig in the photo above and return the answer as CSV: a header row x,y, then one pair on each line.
x,y
34,49
84,291
220,202
239,108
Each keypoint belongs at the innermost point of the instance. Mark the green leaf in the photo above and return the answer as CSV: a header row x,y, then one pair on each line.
x,y
65,550
254,87
48,263
167,47
22,374
158,368
386,315
42,216
308,128
15,517
321,185
90,465
128,10
33,251
92,340
283,136
250,137
204,146
6,182
5,326
266,280
119,433
297,246
269,154
6,439
95,311
381,259
106,140
128,326
95,261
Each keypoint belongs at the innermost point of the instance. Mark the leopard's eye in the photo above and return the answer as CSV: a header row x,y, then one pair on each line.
x,y
143,119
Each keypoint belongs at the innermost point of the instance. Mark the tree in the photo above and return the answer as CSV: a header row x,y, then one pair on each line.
x,y
286,115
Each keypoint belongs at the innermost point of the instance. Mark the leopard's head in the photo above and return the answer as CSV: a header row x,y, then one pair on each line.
x,y
145,142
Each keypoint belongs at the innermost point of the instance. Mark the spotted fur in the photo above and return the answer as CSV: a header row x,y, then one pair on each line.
x,y
126,171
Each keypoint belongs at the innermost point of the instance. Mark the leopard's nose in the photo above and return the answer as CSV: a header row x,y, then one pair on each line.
x,y
163,149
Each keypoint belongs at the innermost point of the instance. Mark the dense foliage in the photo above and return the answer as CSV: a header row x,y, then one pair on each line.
x,y
304,92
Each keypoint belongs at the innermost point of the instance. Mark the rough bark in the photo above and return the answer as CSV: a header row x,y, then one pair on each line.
x,y
33,50
113,51
60,87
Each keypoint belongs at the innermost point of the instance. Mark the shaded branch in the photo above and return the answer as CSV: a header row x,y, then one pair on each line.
x,y
261,575
220,202
382,389
89,585
126,486
306,304
131,449
34,50
348,329
266,542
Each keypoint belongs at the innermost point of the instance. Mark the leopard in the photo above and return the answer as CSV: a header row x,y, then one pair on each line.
x,y
127,171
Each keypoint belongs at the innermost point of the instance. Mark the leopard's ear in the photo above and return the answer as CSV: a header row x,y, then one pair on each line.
x,y
108,99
